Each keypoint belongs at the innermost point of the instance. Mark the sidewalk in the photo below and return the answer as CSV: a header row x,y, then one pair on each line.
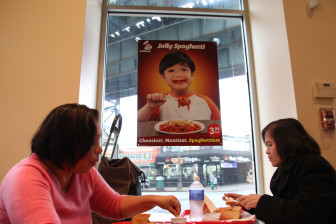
x,y
225,188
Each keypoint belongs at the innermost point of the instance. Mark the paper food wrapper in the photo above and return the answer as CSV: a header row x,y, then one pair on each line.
x,y
245,216
210,205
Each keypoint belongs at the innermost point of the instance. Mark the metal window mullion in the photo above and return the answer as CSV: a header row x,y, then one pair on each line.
x,y
175,11
254,103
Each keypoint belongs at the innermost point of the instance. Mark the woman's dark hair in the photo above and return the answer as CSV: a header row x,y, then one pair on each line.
x,y
66,134
291,139
173,58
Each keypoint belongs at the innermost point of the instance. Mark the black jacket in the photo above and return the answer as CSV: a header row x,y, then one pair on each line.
x,y
304,191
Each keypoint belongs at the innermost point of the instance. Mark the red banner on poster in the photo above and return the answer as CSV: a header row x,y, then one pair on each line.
x,y
178,94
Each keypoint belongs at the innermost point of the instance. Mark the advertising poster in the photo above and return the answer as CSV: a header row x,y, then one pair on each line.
x,y
178,94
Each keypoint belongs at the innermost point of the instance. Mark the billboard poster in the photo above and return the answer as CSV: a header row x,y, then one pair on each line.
x,y
140,154
178,94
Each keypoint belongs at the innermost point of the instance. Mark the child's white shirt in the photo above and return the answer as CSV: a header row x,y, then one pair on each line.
x,y
199,109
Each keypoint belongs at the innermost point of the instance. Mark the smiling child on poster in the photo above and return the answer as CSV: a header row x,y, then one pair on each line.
x,y
177,71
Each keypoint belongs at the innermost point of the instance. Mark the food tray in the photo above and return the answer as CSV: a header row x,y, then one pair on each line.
x,y
246,219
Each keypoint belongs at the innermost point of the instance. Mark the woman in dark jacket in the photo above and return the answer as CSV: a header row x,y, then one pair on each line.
x,y
304,184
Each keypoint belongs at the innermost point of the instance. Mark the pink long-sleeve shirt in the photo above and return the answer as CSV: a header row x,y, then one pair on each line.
x,y
30,193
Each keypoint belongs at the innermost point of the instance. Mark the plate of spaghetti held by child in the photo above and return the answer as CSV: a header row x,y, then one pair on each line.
x,y
179,127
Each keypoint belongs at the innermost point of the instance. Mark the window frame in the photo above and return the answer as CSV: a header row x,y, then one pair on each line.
x,y
194,12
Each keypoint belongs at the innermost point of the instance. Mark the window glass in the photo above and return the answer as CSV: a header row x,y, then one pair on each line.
x,y
170,168
212,4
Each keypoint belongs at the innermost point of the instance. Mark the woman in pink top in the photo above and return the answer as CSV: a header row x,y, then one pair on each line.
x,y
58,184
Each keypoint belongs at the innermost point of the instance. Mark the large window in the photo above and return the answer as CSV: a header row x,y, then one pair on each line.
x,y
233,162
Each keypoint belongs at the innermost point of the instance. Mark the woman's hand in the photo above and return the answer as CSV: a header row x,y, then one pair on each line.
x,y
132,205
249,201
232,195
170,203
232,198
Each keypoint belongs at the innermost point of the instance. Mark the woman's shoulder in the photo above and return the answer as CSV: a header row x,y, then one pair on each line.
x,y
316,163
26,165
29,170
314,158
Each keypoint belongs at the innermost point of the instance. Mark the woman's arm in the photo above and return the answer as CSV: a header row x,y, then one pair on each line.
x,y
107,202
132,205
27,198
